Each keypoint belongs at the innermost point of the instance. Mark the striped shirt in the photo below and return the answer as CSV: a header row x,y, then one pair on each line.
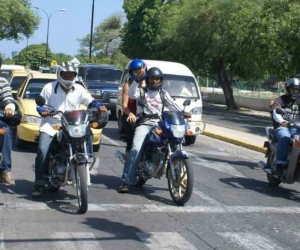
x,y
6,98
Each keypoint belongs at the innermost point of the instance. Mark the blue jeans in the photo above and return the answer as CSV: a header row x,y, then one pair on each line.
x,y
6,147
133,156
41,160
283,134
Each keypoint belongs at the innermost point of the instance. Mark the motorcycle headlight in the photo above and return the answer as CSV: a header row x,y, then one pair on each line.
x,y
96,92
178,130
197,111
31,119
77,131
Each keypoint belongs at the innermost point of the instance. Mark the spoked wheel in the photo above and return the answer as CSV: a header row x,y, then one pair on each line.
x,y
182,187
81,186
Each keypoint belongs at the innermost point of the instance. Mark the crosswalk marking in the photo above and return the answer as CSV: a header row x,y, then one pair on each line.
x,y
75,241
206,197
251,241
153,208
2,246
165,241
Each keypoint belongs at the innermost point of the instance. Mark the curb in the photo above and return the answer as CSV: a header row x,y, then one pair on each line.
x,y
235,141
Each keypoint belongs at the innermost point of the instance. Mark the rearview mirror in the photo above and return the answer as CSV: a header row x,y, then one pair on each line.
x,y
40,100
187,102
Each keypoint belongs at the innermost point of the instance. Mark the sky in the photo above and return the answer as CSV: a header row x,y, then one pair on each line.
x,y
65,26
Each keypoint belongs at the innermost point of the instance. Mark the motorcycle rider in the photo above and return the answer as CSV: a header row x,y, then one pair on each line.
x,y
291,104
156,98
137,69
62,94
11,118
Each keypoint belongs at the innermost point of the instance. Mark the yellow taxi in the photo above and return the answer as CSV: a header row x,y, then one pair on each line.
x,y
28,130
16,79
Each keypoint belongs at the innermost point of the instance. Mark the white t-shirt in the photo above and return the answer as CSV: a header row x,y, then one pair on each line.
x,y
61,101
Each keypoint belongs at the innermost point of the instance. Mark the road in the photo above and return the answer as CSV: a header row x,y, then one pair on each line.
x,y
244,121
232,207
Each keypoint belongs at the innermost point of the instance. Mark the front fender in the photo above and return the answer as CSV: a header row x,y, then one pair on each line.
x,y
79,158
181,154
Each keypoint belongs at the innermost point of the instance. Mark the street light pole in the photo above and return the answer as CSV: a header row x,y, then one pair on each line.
x,y
92,27
48,25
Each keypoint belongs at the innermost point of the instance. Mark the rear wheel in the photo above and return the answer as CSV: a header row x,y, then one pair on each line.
x,y
273,181
81,186
182,187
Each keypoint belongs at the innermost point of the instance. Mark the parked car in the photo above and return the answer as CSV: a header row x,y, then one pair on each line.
x,y
28,130
101,80
181,84
7,70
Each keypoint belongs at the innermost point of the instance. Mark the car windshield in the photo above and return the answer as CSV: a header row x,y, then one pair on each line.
x,y
34,87
16,82
180,86
103,74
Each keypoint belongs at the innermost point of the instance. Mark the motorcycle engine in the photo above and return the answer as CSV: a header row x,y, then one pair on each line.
x,y
153,160
59,166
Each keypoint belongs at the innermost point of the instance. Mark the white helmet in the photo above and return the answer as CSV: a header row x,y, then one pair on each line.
x,y
68,84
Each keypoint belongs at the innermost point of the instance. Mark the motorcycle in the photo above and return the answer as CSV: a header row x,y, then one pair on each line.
x,y
162,153
68,157
292,173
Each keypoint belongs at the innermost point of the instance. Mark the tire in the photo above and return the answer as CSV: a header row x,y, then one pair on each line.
x,y
175,187
273,181
81,186
96,148
189,140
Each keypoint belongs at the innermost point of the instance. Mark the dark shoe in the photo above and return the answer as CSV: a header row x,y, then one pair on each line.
x,y
279,170
37,193
123,188
6,178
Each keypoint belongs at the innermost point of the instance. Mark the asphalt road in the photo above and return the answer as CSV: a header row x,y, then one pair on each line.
x,y
245,122
232,207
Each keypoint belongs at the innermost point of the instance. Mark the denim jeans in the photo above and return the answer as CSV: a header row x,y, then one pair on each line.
x,y
283,134
133,157
41,160
6,147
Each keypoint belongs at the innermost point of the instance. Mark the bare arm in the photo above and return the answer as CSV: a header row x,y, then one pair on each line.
x,y
125,99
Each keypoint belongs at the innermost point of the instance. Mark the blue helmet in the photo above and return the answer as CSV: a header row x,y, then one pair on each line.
x,y
136,64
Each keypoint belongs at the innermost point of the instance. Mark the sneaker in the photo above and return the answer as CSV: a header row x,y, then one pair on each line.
x,y
123,188
6,178
37,193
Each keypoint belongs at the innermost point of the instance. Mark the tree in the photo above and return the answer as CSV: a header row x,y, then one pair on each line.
x,y
12,14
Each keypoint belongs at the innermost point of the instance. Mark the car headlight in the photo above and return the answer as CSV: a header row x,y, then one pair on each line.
x,y
32,119
178,130
197,111
77,131
96,92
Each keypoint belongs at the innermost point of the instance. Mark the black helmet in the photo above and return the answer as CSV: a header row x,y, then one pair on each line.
x,y
156,73
15,120
293,83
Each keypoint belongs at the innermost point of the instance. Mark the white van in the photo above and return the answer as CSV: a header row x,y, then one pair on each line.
x,y
176,76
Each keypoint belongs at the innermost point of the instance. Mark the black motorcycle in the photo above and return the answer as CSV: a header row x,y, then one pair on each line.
x,y
68,157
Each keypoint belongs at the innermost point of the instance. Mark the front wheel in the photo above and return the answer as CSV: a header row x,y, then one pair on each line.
x,y
81,186
182,187
190,139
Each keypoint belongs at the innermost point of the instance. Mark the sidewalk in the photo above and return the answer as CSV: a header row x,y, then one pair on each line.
x,y
247,140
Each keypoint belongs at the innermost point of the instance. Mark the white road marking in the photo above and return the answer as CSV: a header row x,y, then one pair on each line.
x,y
165,241
146,208
111,141
221,167
251,241
74,241
210,152
206,197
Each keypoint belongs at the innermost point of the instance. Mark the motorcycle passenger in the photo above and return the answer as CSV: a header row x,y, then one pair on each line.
x,y
11,118
137,70
63,95
291,104
155,97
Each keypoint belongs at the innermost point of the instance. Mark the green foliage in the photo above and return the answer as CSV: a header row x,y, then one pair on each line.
x,y
17,19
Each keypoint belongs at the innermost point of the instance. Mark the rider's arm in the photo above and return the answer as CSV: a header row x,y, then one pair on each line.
x,y
6,98
86,97
134,91
277,103
170,102
125,99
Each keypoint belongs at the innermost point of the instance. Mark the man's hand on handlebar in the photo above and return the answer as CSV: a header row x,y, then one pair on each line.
x,y
284,124
187,115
